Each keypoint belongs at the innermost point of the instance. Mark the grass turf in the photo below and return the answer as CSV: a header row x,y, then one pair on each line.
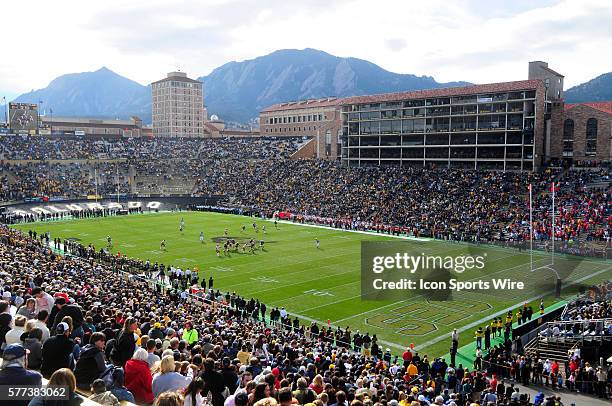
x,y
324,284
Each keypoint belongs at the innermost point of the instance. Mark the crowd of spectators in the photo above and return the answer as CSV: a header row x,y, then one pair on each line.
x,y
256,174
24,147
88,327
442,203
68,180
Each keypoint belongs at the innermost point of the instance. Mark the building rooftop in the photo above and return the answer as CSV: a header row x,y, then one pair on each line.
x,y
446,92
87,120
177,76
605,106
303,104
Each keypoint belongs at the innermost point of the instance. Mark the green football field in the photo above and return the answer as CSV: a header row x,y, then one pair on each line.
x,y
324,284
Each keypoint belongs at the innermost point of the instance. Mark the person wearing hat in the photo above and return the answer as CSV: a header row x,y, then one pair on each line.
x,y
58,350
72,310
13,370
156,332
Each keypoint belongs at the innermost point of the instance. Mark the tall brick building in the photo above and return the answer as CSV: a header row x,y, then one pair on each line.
x,y
581,132
178,106
316,118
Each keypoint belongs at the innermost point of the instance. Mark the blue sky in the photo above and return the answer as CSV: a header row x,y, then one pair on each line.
x,y
472,40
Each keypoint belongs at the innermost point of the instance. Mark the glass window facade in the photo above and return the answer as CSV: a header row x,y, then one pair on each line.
x,y
493,130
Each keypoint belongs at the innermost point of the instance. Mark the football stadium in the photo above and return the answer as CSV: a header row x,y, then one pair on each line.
x,y
301,228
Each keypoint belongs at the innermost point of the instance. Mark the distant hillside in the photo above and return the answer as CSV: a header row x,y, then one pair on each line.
x,y
239,90
102,93
598,89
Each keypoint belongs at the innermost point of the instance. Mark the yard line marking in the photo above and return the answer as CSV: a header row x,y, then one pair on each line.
x,y
283,266
404,301
185,260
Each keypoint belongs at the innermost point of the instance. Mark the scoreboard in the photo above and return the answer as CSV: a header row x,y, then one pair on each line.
x,y
23,117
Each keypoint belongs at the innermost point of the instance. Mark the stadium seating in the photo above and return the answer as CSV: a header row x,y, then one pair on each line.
x,y
110,292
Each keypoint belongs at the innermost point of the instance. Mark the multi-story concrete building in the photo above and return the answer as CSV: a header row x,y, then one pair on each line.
x,y
178,106
491,126
508,126
317,118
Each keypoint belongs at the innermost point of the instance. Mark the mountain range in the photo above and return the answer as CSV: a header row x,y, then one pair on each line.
x,y
102,93
237,91
598,89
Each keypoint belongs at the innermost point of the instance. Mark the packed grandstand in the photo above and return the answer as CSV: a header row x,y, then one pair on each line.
x,y
118,329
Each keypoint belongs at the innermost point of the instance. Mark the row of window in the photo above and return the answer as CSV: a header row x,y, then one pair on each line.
x,y
440,124
186,124
290,129
195,99
176,83
442,139
174,92
511,153
590,148
90,130
296,119
177,116
519,107
432,163
440,101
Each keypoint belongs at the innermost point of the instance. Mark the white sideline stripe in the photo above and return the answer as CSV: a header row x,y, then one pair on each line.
x,y
428,239
351,231
501,312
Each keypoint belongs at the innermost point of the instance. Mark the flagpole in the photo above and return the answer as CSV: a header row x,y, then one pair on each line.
x,y
5,114
117,183
553,225
530,228
96,182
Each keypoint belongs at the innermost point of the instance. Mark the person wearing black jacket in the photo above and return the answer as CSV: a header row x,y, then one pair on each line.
x,y
229,375
57,352
91,364
125,343
213,382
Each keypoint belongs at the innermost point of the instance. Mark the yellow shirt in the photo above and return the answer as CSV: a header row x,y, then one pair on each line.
x,y
243,356
412,370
